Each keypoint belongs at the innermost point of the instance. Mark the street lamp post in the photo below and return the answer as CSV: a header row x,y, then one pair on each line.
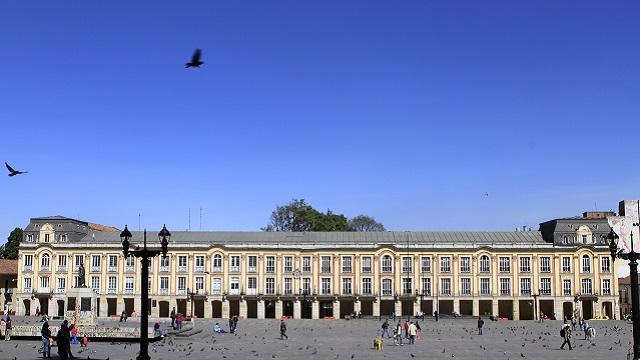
x,y
632,256
535,306
145,256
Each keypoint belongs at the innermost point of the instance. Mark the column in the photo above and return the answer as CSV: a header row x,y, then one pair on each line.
x,y
376,307
558,308
188,308
104,307
137,306
173,304
225,308
260,309
51,307
119,306
243,309
476,307
456,305
278,309
397,307
357,306
336,309
315,309
416,306
155,310
494,307
516,310
297,309
208,310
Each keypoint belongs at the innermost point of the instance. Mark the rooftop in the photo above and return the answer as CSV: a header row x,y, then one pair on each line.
x,y
8,267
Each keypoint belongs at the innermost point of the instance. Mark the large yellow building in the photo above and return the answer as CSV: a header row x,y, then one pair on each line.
x,y
563,268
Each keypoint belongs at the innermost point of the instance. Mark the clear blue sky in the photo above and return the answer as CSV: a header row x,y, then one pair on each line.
x,y
408,111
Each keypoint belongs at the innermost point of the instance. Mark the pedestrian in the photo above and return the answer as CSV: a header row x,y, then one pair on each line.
x,y
235,323
565,333
3,326
8,329
406,329
74,335
173,318
37,311
480,325
156,329
413,331
541,317
179,320
385,329
231,329
573,323
84,341
62,340
217,329
398,334
394,316
283,330
46,337
435,314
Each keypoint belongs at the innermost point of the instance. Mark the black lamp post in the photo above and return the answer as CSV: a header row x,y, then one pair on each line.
x,y
535,306
632,256
145,256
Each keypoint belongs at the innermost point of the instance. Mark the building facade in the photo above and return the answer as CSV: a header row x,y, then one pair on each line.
x,y
564,268
8,283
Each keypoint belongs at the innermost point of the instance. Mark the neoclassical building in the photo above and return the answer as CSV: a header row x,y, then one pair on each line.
x,y
563,268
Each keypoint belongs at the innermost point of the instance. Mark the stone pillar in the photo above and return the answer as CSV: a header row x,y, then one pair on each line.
x,y
137,307
34,304
476,307
260,309
119,306
297,309
315,309
336,309
357,306
456,305
188,308
155,310
225,308
278,309
173,304
243,309
104,307
494,307
376,307
397,307
416,306
516,310
557,308
208,309
51,307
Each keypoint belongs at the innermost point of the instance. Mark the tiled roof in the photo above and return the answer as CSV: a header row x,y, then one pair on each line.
x,y
8,267
103,227
626,280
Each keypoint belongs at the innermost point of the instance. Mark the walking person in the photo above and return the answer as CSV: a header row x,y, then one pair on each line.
x,y
8,327
399,334
435,314
46,338
283,330
385,329
480,325
565,333
179,320
62,340
413,331
231,325
173,318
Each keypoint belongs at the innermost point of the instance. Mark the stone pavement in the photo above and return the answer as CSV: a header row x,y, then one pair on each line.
x,y
342,339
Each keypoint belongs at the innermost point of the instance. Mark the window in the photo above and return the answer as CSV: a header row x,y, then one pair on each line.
x,y
445,264
128,285
306,264
565,240
485,286
270,264
426,286
96,262
164,263
46,238
29,238
465,286
182,263
216,286
252,285
28,262
584,239
525,286
217,263
63,238
387,287
44,284
504,264
45,262
545,286
605,264
252,263
270,286
366,286
288,286
366,264
407,288
182,285
306,285
484,264
326,286
566,287
95,284
346,286
199,264
130,264
586,286
79,261
62,263
545,264
407,264
235,263
387,263
606,287
62,285
525,264
199,284
26,284
164,285
325,264
113,263
288,264
445,286
566,264
346,264
425,264
112,284
505,286
586,263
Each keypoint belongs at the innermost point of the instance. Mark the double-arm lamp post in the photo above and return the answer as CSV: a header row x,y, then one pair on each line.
x,y
632,256
145,256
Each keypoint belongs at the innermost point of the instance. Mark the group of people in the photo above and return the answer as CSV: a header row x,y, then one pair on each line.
x,y
176,319
233,324
410,330
567,330
67,335
6,327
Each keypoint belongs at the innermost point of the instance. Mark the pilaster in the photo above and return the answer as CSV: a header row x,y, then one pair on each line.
x,y
260,309
297,309
315,309
336,309
278,309
225,308
243,309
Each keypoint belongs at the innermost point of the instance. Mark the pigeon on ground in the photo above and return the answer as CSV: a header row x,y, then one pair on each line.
x,y
195,60
12,171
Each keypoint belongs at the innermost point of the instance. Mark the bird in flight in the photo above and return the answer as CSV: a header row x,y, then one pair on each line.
x,y
12,171
195,60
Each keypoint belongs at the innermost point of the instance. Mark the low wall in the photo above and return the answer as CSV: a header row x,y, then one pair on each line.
x,y
95,333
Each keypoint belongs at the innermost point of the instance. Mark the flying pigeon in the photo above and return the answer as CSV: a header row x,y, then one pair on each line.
x,y
195,60
12,171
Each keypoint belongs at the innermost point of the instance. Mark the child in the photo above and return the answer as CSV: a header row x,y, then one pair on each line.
x,y
74,335
377,343
84,341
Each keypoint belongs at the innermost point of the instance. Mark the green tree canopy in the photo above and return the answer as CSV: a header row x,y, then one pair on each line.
x,y
10,249
365,223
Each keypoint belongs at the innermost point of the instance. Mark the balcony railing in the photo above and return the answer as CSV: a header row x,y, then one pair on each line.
x,y
198,269
545,292
216,269
28,290
129,268
366,269
181,292
445,293
111,291
201,292
128,291
325,269
112,269
60,290
164,269
235,269
182,268
252,269
95,269
164,291
62,268
252,291
505,293
216,291
45,268
234,291
44,290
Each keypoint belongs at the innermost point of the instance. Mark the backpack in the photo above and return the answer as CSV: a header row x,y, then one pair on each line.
x,y
562,332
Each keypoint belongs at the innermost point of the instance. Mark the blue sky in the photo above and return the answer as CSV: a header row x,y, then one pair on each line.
x,y
406,111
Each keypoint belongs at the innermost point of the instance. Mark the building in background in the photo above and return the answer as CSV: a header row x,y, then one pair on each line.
x,y
563,269
8,284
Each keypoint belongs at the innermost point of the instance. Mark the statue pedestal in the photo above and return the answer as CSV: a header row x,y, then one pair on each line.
x,y
82,304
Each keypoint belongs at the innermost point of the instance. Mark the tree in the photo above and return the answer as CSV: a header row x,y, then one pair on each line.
x,y
297,215
365,223
10,249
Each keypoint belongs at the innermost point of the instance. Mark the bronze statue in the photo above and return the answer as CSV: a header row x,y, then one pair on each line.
x,y
81,283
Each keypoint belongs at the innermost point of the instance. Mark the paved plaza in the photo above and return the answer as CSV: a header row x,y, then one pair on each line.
x,y
343,339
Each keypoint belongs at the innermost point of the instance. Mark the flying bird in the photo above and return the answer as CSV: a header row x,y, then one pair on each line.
x,y
195,60
12,171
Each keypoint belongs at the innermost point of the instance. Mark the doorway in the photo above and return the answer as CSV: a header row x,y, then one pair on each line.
x,y
60,307
547,308
346,308
326,309
44,305
387,307
587,309
466,307
27,307
164,308
445,307
198,308
607,309
269,309
252,309
112,307
287,308
216,309
128,306
485,307
181,305
426,306
307,309
234,307
366,307
567,310
505,309
407,308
